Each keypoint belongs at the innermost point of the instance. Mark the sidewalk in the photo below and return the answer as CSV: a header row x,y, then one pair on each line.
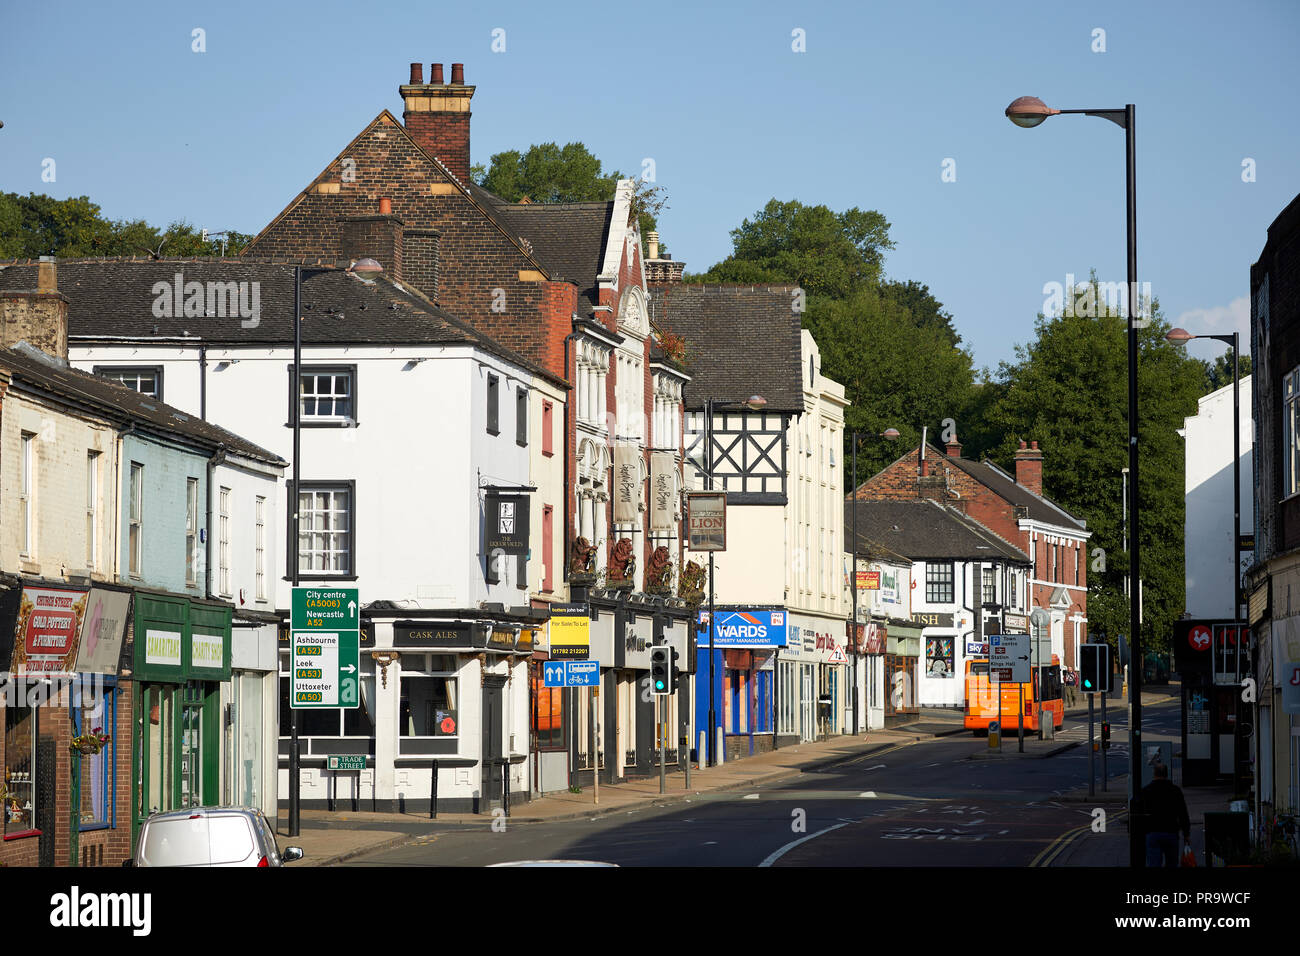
x,y
329,838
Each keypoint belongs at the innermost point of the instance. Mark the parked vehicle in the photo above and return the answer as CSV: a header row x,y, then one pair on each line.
x,y
210,836
982,698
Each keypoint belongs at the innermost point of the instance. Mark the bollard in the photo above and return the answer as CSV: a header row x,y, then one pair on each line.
x,y
700,755
721,751
433,792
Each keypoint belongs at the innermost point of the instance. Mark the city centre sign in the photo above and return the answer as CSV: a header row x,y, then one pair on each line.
x,y
325,655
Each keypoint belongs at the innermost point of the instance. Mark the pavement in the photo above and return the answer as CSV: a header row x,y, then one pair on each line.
x,y
331,838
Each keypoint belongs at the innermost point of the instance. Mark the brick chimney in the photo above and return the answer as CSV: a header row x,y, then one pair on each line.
x,y
953,449
37,316
437,115
378,236
1029,468
420,260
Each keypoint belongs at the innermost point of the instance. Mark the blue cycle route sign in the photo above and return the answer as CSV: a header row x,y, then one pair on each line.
x,y
571,674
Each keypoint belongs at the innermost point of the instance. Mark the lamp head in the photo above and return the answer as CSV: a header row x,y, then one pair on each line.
x,y
1179,335
1028,111
889,433
756,403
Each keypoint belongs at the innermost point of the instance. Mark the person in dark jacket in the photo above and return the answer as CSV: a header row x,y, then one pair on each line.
x,y
1165,811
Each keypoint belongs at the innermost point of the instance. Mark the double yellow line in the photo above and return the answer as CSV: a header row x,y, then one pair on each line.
x,y
1061,843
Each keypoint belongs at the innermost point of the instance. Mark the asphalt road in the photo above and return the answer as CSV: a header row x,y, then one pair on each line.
x,y
936,803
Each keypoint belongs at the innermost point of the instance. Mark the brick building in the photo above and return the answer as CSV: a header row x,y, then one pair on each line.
x,y
1014,508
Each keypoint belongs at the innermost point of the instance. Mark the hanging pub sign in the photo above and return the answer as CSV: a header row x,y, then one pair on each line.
x,y
627,474
506,527
663,490
706,520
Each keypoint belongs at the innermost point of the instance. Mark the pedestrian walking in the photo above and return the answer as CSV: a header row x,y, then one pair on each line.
x,y
1071,682
1164,811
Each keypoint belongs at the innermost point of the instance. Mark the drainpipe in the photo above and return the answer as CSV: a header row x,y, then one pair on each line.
x,y
203,381
569,436
218,457
122,434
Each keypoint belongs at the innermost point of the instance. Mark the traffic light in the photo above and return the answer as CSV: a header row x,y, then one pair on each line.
x,y
674,673
1094,668
1105,734
661,669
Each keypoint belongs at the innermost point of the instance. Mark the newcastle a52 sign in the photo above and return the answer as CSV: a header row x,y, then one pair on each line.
x,y
325,660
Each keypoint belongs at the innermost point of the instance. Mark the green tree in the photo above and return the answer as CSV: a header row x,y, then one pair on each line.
x,y
1068,390
826,253
923,307
1218,372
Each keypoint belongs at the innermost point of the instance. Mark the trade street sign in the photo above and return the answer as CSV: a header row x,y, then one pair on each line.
x,y
571,673
1010,651
570,628
325,652
346,762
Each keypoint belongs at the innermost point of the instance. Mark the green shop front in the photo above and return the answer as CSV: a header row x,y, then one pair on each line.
x,y
182,656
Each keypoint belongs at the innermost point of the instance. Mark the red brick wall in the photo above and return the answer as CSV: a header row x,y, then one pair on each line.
x,y
445,135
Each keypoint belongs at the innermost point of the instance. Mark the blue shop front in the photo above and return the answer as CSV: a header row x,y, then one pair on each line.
x,y
741,676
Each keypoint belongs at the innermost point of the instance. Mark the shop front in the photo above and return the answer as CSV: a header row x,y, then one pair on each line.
x,y
797,666
741,675
182,653
67,718
249,700
902,661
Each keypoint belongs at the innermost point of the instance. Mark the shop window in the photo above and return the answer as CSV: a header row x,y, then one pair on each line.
x,y
329,721
548,717
98,713
248,784
20,770
428,706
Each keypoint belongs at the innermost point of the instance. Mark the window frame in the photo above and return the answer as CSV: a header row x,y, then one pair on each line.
x,y
1291,432
548,427
135,519
92,508
259,547
493,404
351,486
108,785
324,421
26,491
521,416
191,529
223,542
34,771
935,582
116,372
426,671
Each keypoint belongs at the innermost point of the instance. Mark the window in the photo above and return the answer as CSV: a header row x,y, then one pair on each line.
x,y
1077,554
259,545
548,425
428,696
135,533
493,405
521,417
97,770
191,527
223,540
990,586
92,510
548,545
327,395
1291,425
548,718
26,480
147,380
20,770
326,541
938,582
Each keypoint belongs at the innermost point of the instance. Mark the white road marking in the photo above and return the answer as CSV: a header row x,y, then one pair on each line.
x,y
867,795
879,766
750,796
776,855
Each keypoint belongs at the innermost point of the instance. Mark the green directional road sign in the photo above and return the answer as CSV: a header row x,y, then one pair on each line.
x,y
325,657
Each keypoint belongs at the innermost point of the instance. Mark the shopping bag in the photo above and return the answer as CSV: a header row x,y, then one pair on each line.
x,y
1189,858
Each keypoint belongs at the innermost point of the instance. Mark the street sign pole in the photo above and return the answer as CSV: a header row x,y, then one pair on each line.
x,y
998,685
1020,716
595,749
295,756
1092,752
663,740
1103,749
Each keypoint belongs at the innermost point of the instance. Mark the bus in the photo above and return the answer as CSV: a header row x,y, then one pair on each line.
x,y
982,698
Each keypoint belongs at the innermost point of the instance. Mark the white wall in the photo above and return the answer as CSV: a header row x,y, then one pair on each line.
x,y
1208,498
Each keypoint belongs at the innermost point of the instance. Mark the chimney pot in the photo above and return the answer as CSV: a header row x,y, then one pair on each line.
x,y
385,207
1034,445
435,74
1022,443
652,244
458,74
417,74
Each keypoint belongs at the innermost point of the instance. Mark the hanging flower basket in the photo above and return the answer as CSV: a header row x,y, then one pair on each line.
x,y
87,744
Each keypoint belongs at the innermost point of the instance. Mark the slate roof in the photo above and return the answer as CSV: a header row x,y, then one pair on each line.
x,y
28,364
567,238
925,529
114,298
740,341
1004,486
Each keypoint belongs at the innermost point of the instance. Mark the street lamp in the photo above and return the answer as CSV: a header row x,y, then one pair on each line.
x,y
1028,112
755,403
367,269
1181,336
889,434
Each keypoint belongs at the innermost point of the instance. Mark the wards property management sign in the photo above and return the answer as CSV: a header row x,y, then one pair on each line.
x,y
746,629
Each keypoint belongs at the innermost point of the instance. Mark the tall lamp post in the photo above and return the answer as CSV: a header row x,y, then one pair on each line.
x,y
1028,112
755,403
366,268
889,434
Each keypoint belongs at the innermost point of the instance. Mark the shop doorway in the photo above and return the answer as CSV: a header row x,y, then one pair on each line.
x,y
493,722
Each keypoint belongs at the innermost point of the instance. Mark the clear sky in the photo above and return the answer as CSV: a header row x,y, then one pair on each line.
x,y
882,99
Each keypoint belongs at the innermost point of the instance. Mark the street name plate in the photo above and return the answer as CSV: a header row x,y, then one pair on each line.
x,y
347,762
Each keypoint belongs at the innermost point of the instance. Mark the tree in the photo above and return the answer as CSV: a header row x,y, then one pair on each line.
x,y
826,253
924,308
1218,372
38,225
547,173
896,374
1068,390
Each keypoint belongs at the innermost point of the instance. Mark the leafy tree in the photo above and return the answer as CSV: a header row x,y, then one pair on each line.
x,y
1218,373
1068,390
924,308
547,173
39,225
826,253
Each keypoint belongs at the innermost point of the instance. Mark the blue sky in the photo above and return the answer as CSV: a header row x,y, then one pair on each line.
x,y
867,115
